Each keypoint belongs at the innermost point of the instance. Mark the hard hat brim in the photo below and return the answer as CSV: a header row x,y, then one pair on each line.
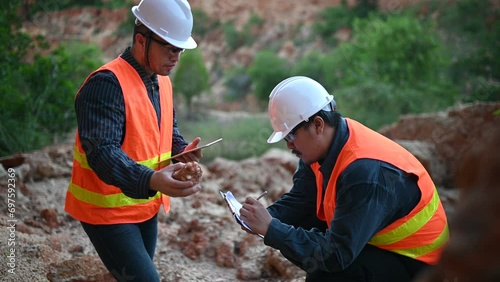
x,y
188,44
276,136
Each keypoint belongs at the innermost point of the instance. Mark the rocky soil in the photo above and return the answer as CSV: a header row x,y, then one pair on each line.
x,y
199,240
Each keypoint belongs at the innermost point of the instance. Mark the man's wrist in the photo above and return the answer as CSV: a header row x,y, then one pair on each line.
x,y
151,183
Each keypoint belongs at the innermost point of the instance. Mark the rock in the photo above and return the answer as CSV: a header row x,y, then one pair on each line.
x,y
3,172
225,254
276,264
451,132
50,217
12,161
82,269
425,152
472,252
50,162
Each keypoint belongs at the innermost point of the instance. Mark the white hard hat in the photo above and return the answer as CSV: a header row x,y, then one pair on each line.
x,y
171,20
293,101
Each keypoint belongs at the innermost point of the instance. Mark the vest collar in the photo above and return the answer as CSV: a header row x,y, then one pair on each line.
x,y
341,136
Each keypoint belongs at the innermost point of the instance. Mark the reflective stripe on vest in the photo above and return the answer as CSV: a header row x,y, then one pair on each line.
x,y
151,163
106,201
409,227
421,234
112,200
88,198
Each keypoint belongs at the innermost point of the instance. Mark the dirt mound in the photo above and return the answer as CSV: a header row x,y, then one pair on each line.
x,y
198,240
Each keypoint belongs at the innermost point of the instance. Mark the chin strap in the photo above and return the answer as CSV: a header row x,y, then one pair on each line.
x,y
146,52
333,104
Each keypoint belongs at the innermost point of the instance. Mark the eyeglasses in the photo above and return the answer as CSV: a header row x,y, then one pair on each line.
x,y
290,137
172,50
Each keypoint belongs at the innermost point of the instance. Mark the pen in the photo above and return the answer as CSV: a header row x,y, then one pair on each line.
x,y
261,195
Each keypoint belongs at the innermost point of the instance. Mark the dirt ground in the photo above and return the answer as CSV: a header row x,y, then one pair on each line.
x,y
198,240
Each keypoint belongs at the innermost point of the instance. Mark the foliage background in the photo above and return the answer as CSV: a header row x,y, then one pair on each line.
x,y
394,63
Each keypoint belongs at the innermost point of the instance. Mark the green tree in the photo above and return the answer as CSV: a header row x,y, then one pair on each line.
x,y
204,23
36,105
473,37
191,77
311,65
394,65
333,18
266,72
237,83
399,50
235,38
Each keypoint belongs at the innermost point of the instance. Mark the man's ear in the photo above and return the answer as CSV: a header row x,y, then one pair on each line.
x,y
319,124
140,39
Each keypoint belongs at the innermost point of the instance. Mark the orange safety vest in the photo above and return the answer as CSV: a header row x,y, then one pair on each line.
x,y
88,198
423,233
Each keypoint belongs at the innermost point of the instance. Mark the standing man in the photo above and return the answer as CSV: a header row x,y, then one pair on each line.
x,y
126,128
361,208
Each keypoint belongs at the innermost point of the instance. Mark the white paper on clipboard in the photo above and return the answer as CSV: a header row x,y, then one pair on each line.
x,y
192,150
234,207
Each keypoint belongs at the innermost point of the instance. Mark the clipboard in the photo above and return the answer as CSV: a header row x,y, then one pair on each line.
x,y
235,206
189,151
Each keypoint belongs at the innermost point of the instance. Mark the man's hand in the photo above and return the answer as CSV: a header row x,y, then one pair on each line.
x,y
194,156
255,215
163,182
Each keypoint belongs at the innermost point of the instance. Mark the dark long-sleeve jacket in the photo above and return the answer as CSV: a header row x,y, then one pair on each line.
x,y
100,111
371,194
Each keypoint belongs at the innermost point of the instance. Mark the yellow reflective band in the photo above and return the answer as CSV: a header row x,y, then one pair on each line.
x,y
106,201
409,227
165,156
423,250
152,163
81,158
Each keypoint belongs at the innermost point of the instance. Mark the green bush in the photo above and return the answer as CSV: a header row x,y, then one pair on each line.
x,y
394,65
43,106
57,5
333,18
243,137
251,28
266,72
481,89
235,38
312,66
191,76
399,50
203,23
376,104
36,107
237,83
472,36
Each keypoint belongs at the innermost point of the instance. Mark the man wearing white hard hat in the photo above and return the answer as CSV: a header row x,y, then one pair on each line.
x,y
361,208
127,131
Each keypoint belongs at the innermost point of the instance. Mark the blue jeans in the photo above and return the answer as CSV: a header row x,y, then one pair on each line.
x,y
127,250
